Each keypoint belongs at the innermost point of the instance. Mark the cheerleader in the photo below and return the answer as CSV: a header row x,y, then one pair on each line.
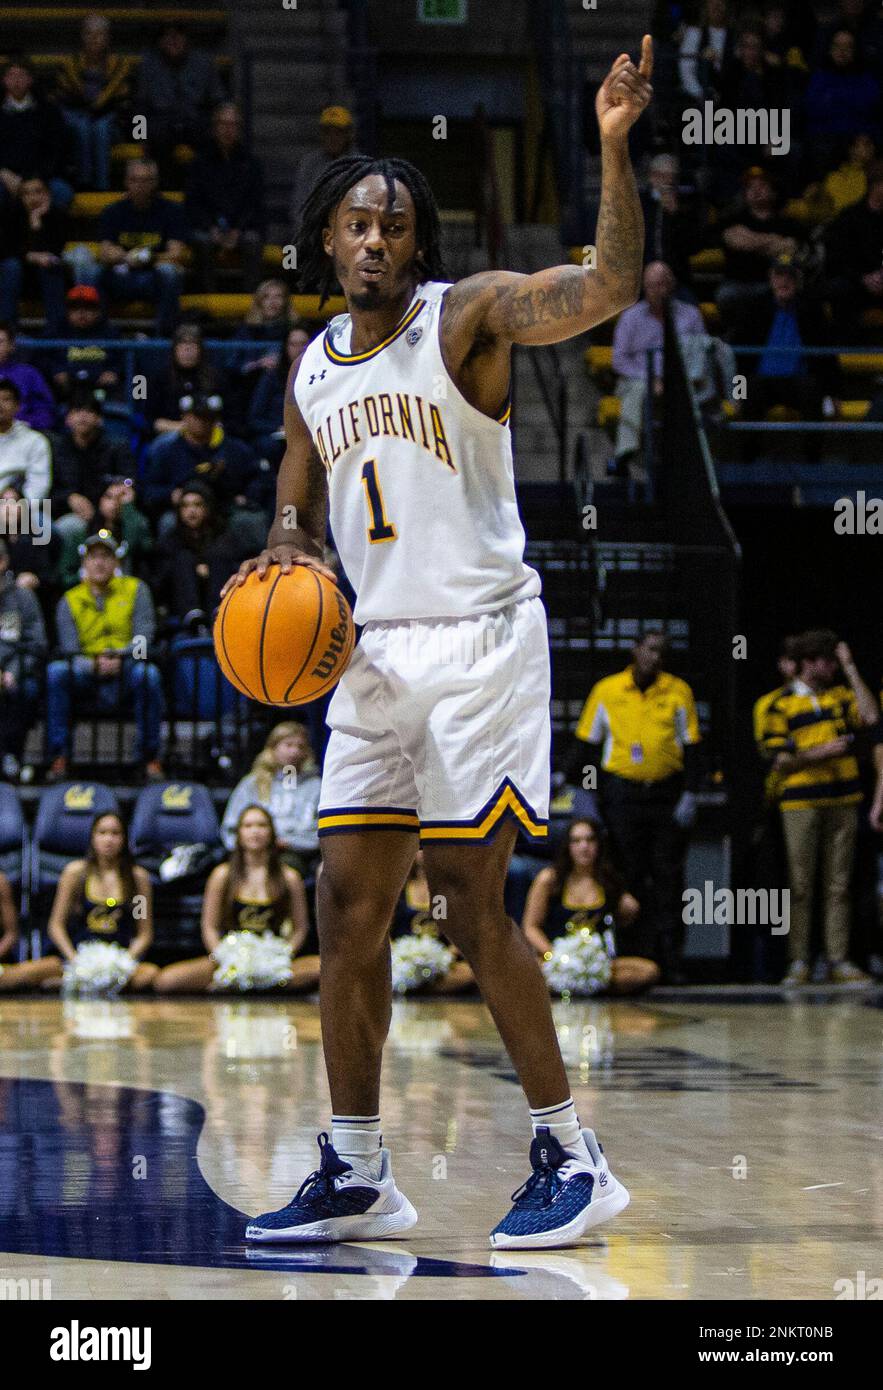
x,y
253,892
413,918
29,973
105,897
581,890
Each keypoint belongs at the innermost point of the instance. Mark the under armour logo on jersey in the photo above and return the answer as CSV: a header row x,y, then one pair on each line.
x,y
413,336
317,376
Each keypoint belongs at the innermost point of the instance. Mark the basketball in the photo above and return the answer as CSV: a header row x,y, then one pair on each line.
x,y
285,639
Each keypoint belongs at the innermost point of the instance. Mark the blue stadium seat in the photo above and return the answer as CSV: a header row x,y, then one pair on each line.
x,y
61,829
14,845
165,815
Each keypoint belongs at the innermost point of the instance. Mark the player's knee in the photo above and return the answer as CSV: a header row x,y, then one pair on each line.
x,y
349,912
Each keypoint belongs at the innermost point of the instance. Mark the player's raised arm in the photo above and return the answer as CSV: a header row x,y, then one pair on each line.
x,y
566,300
297,536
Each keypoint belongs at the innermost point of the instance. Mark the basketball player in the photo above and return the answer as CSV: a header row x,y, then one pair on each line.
x,y
397,417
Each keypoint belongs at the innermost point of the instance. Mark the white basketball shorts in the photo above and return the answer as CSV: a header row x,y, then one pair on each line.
x,y
442,726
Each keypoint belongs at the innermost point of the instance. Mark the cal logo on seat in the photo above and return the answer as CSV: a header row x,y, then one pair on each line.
x,y
176,798
79,798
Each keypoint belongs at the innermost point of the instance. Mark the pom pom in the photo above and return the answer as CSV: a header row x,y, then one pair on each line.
x,y
100,968
578,963
248,960
418,960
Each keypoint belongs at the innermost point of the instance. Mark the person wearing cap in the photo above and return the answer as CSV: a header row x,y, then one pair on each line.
x,y
336,139
783,321
85,458
81,362
753,235
202,451
23,649
25,459
854,259
225,201
105,625
32,238
178,87
37,407
188,372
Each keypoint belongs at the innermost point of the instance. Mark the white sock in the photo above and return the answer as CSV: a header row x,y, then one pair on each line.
x,y
357,1139
563,1124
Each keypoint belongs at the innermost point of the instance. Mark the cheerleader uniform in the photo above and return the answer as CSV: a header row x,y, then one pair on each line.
x,y
563,917
95,918
260,915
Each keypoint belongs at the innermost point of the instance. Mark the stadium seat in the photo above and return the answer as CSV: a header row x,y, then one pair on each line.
x,y
166,815
61,830
854,411
861,363
609,408
14,844
599,358
708,261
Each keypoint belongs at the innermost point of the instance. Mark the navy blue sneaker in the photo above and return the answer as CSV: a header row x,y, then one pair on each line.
x,y
562,1199
336,1203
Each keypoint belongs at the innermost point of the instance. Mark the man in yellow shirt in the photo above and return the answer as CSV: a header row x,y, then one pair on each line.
x,y
640,728
809,737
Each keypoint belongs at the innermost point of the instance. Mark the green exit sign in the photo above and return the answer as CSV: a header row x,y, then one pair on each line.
x,y
441,11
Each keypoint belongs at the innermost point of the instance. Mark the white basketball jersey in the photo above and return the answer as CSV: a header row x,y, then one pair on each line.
x,y
421,488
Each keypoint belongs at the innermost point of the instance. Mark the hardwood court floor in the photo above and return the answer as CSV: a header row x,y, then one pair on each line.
x,y
134,1135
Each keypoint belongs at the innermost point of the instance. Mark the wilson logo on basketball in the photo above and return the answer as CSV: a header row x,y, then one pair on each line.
x,y
337,643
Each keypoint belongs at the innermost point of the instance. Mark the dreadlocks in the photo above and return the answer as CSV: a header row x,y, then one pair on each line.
x,y
316,268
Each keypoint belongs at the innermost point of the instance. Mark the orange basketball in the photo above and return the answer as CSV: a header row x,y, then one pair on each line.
x,y
284,639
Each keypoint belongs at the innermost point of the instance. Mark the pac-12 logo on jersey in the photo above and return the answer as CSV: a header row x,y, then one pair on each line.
x,y
413,336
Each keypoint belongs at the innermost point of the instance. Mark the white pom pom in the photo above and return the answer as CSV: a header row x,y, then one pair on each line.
x,y
418,960
99,968
246,960
578,964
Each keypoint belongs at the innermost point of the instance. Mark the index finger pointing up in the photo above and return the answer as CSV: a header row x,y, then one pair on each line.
x,y
646,66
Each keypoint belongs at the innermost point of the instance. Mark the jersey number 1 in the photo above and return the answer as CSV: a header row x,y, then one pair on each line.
x,y
380,529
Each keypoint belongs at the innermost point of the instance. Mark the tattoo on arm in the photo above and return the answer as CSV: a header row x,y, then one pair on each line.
x,y
562,299
311,516
620,230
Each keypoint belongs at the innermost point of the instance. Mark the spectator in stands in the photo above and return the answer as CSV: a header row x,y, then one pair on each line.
x,y
105,897
283,780
83,363
753,235
26,974
25,460
788,319
142,246
34,551
23,649
842,99
264,419
32,238
105,626
86,457
643,735
861,20
781,43
705,49
225,201
808,738
846,185
254,892
33,138
178,87
117,513
267,321
196,558
337,135
92,86
187,373
582,889
201,451
854,259
672,224
37,407
639,330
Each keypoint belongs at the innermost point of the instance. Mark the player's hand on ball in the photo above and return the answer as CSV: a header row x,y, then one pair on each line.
x,y
285,556
625,92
